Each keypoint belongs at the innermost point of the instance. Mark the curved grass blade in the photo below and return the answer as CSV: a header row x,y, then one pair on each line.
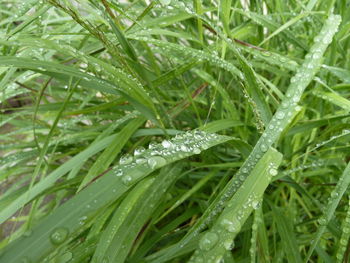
x,y
344,239
63,223
334,200
220,236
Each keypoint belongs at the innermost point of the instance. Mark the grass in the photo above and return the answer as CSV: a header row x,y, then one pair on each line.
x,y
174,131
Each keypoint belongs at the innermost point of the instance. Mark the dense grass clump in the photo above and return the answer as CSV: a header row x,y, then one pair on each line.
x,y
174,131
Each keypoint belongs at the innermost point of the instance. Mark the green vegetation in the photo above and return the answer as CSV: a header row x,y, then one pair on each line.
x,y
174,131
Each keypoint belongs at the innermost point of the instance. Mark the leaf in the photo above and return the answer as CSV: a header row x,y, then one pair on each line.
x,y
219,238
329,210
76,212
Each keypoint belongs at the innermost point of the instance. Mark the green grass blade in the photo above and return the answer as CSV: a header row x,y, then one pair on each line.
x,y
220,237
329,211
75,213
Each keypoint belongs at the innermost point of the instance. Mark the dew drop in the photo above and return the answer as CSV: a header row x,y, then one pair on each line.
x,y
208,241
127,180
156,162
232,226
152,145
140,160
196,150
228,244
280,115
119,172
263,147
125,159
273,172
167,144
139,150
255,204
59,235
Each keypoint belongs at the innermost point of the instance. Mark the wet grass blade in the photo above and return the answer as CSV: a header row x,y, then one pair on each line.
x,y
329,211
75,213
220,237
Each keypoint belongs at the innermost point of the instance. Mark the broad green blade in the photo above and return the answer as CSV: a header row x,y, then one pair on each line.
x,y
219,238
75,213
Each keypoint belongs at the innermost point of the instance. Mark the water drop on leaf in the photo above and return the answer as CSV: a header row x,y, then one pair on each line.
x,y
59,235
156,162
126,159
208,241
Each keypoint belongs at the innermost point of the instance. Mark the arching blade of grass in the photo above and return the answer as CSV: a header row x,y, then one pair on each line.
x,y
285,26
220,236
64,222
335,99
176,50
343,242
272,25
118,237
336,195
137,96
277,125
50,179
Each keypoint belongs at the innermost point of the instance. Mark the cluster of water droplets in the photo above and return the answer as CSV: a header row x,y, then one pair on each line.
x,y
253,240
315,164
159,154
343,242
345,132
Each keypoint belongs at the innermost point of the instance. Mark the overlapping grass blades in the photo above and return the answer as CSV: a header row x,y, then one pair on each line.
x,y
149,70
220,237
280,120
336,195
75,213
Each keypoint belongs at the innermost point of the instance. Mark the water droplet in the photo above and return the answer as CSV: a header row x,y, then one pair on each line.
x,y
125,159
59,235
228,244
139,150
167,144
119,172
255,204
127,180
152,145
184,148
263,147
196,150
280,115
140,160
208,241
232,226
273,171
156,162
